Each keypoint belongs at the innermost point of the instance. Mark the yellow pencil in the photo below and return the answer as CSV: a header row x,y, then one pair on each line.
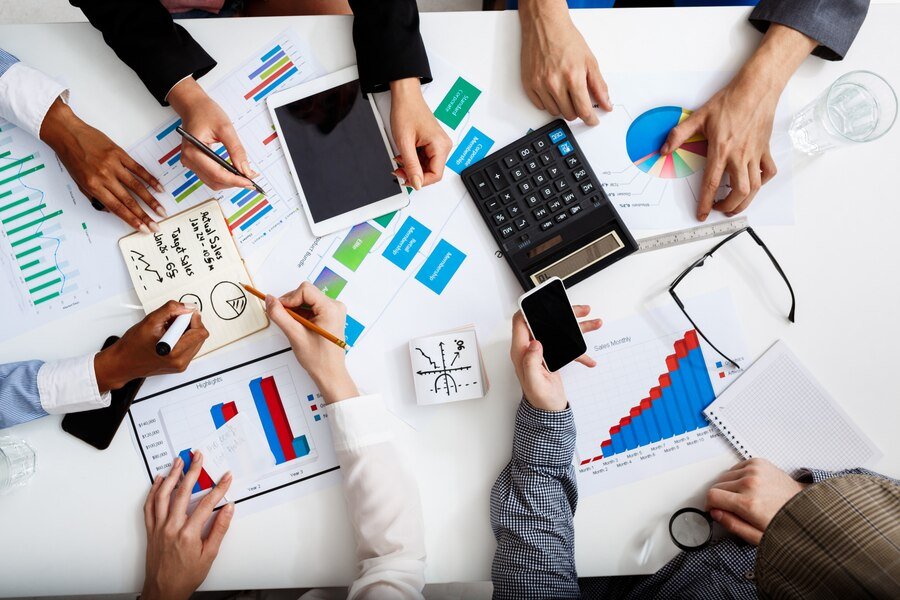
x,y
305,322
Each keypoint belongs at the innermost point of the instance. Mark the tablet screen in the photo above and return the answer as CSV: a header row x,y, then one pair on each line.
x,y
338,151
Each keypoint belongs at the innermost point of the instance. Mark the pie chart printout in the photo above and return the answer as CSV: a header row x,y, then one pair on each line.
x,y
648,133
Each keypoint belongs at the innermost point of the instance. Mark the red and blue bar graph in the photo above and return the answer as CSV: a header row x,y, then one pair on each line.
x,y
204,481
276,68
672,408
222,413
284,446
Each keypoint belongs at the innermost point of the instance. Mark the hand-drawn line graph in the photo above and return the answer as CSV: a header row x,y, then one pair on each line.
x,y
444,380
137,257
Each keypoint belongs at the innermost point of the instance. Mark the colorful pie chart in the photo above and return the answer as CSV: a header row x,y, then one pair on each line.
x,y
647,135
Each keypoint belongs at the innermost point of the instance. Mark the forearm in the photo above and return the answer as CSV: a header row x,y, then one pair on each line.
x,y
775,61
536,17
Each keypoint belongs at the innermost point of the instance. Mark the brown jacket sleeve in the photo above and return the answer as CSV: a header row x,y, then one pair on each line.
x,y
836,539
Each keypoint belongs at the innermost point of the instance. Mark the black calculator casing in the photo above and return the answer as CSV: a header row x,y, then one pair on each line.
x,y
541,240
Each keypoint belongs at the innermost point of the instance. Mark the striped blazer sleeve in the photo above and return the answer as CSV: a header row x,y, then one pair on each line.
x,y
20,400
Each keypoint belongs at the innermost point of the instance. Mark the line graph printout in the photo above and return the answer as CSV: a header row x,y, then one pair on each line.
x,y
253,218
639,411
54,247
653,192
261,417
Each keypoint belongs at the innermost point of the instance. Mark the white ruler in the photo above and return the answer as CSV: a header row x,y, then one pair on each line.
x,y
694,234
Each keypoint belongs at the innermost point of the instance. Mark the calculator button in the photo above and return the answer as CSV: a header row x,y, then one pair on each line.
x,y
526,186
541,144
525,153
540,213
580,174
522,224
532,166
595,200
507,231
587,187
554,172
555,205
514,210
561,217
546,158
481,184
568,197
510,161
546,192
540,179
498,179
546,225
565,149
492,205
574,210
572,161
557,135
518,173
499,218
506,197
561,185
532,200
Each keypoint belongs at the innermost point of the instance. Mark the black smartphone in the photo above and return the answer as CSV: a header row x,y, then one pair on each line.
x,y
552,322
98,427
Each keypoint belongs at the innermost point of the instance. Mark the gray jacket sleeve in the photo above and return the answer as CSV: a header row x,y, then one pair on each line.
x,y
832,23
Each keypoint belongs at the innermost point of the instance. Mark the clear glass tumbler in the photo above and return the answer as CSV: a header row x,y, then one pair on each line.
x,y
17,462
859,107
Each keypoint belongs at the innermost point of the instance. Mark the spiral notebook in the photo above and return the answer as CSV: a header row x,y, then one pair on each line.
x,y
778,411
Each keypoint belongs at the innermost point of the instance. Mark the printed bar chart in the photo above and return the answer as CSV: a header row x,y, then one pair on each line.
x,y
284,446
204,481
222,413
276,67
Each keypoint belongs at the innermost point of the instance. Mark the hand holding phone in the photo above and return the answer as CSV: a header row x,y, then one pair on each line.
x,y
552,321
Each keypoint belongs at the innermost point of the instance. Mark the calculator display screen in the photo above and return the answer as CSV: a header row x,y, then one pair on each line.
x,y
338,150
580,259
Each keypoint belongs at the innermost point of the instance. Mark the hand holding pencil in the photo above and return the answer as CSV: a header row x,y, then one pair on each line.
x,y
313,339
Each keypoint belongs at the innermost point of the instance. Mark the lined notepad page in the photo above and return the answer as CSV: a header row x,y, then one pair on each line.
x,y
778,411
194,259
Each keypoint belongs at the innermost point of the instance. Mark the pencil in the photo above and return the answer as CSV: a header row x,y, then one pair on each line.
x,y
219,160
305,322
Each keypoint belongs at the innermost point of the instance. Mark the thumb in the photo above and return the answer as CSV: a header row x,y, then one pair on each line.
x,y
681,133
735,525
218,530
277,313
533,359
407,146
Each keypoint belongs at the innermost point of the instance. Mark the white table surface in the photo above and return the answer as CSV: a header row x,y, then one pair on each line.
x,y
77,527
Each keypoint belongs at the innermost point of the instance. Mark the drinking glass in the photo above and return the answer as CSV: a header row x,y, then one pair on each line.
x,y
859,107
17,462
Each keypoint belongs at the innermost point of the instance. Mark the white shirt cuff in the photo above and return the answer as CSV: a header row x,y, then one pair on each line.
x,y
359,422
70,385
26,95
176,83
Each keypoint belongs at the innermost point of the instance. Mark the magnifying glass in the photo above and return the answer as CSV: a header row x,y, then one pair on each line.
x,y
691,529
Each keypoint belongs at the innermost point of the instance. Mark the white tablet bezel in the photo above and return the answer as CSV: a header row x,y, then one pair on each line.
x,y
363,213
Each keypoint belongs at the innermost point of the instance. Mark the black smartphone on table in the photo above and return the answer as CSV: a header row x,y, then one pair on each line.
x,y
552,322
98,427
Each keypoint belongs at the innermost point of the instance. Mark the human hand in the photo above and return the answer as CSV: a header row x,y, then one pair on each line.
x,y
322,359
747,497
178,558
737,122
422,143
559,71
541,388
203,118
134,354
100,168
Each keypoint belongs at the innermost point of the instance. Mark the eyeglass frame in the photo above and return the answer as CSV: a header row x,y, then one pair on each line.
x,y
699,263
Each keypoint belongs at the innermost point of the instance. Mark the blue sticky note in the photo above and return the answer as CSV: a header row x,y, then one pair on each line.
x,y
440,267
474,146
557,135
406,243
352,330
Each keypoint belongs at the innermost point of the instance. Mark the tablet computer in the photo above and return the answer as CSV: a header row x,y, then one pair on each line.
x,y
337,150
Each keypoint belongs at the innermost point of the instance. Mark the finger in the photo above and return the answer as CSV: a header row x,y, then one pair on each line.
x,y
535,98
205,507
732,474
580,98
755,175
733,485
533,359
309,295
276,312
726,500
163,493
114,206
561,96
407,145
682,133
590,325
186,487
597,87
400,174
135,185
149,514
437,152
190,343
740,188
548,102
140,190
136,168
586,361
229,137
165,313
768,167
117,188
521,336
210,173
581,310
217,532
737,526
712,176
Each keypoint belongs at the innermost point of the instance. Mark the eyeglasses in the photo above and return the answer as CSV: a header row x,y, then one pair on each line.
x,y
699,263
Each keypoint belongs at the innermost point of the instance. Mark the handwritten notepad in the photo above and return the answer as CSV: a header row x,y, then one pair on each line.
x,y
777,410
194,259
448,367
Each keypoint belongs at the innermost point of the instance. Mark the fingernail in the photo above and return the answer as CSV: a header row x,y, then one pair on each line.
x,y
162,212
609,102
227,475
178,462
417,182
191,305
143,229
157,479
154,227
664,149
703,217
159,188
229,508
197,454
270,301
715,514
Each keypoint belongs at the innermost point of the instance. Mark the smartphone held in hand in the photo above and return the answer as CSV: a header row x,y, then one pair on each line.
x,y
552,322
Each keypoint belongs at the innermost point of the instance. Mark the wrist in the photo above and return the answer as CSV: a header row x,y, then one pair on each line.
x,y
336,384
535,14
58,124
404,87
184,95
109,371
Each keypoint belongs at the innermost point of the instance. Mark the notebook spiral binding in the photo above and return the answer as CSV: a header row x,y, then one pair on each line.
x,y
738,447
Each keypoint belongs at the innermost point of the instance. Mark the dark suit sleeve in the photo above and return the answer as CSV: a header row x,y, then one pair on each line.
x,y
143,34
832,23
388,43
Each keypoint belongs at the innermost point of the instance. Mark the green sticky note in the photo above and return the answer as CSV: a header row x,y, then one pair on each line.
x,y
385,220
457,103
356,245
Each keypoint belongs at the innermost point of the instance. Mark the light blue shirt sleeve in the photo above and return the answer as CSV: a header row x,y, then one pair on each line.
x,y
20,400
6,61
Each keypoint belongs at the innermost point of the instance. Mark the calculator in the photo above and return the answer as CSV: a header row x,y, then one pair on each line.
x,y
546,208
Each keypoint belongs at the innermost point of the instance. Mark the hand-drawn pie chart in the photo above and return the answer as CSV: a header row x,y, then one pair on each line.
x,y
648,133
228,300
